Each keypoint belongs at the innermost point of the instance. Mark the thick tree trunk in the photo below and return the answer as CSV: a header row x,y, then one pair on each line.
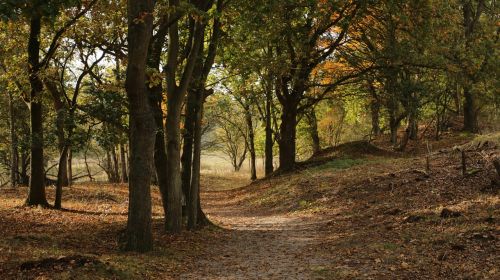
x,y
288,131
412,126
251,144
14,155
123,164
470,111
268,164
174,182
142,127
470,20
36,194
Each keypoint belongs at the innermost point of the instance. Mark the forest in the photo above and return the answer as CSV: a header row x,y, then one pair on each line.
x,y
235,139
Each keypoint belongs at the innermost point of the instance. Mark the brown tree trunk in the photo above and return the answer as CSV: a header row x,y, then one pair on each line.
x,y
470,111
175,96
23,176
70,166
116,173
123,164
160,155
194,208
14,156
174,182
268,164
288,131
36,194
109,169
60,176
375,110
142,127
251,143
59,107
187,148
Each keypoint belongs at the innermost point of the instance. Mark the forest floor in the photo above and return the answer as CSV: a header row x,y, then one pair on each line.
x,y
353,212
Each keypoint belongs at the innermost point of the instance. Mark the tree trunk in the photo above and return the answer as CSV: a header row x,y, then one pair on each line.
x,y
251,143
174,182
470,112
194,208
313,130
109,168
470,20
412,126
36,194
287,140
60,121
375,110
187,148
24,178
61,173
160,155
175,97
394,123
70,166
142,127
268,165
14,156
123,164
116,173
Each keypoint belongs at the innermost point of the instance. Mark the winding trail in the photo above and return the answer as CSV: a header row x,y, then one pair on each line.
x,y
260,245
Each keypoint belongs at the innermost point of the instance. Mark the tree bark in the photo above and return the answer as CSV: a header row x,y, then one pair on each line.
x,y
123,164
194,192
470,113
251,143
174,182
36,194
470,20
142,127
268,165
187,148
70,166
23,176
60,109
116,173
61,172
288,131
14,156
175,96
375,110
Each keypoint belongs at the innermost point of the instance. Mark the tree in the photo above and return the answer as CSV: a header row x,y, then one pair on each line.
x,y
142,126
36,11
176,93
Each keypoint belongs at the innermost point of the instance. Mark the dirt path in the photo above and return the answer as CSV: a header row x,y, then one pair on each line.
x,y
259,245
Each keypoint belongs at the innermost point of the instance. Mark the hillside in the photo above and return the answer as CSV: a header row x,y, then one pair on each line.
x,y
352,212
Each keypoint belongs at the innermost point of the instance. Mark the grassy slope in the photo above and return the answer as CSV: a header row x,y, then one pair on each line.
x,y
380,214
384,212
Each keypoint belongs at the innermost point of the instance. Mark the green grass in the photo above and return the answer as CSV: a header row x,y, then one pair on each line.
x,y
341,163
